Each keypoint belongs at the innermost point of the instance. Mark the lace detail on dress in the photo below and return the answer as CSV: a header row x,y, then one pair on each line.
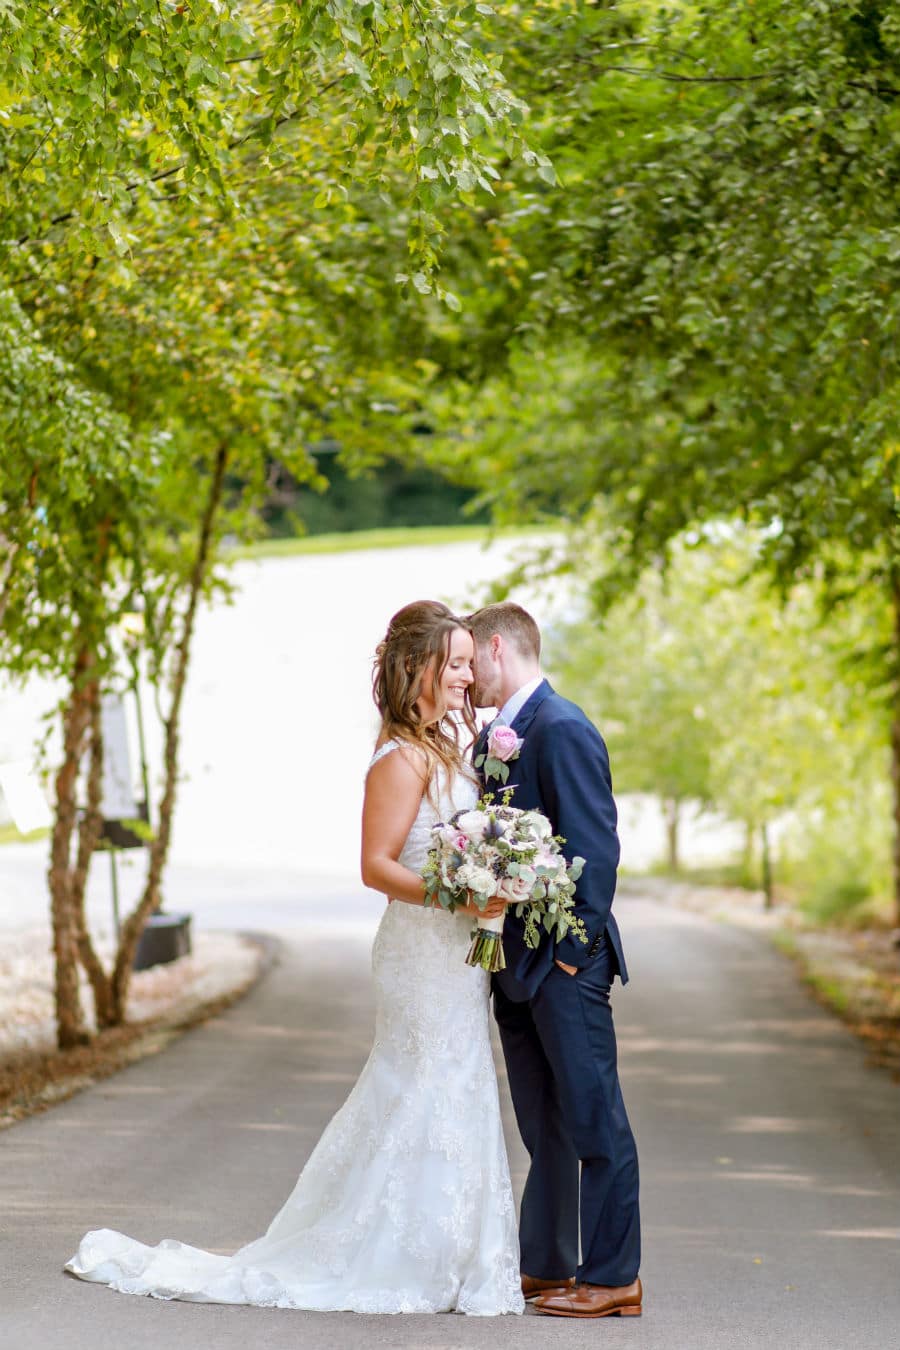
x,y
405,1204
382,751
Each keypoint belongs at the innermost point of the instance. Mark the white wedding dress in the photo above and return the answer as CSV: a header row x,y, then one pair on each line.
x,y
405,1204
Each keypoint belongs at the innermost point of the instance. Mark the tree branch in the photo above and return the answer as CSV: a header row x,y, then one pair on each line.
x,y
235,144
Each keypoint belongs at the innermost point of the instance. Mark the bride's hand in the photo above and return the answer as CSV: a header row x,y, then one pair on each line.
x,y
493,907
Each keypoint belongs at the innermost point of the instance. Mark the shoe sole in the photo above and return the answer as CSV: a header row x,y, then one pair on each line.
x,y
632,1311
564,1287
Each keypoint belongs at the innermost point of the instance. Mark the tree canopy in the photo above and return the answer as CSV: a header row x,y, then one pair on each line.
x,y
705,323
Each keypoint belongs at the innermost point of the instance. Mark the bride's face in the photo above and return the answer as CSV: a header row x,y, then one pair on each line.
x,y
456,677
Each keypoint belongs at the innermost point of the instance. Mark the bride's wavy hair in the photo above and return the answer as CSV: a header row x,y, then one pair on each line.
x,y
417,634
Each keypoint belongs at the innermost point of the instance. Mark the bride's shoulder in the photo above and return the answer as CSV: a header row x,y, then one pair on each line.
x,y
408,756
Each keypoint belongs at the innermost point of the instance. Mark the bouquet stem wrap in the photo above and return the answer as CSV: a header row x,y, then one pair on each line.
x,y
486,950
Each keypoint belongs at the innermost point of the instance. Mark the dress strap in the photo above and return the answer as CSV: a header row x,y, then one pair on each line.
x,y
382,751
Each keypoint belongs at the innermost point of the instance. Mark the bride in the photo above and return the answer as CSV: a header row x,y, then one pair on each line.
x,y
405,1204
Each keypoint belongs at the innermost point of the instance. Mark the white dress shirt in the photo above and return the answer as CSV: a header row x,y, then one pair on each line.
x,y
516,702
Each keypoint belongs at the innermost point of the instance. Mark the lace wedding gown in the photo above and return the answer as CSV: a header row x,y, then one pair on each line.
x,y
405,1204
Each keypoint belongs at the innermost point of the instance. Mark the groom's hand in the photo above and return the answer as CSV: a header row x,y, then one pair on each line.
x,y
570,970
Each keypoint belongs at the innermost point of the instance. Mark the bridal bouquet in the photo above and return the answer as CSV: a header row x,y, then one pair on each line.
x,y
497,849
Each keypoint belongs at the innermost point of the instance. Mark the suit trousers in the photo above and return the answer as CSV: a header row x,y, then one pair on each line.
x,y
560,1050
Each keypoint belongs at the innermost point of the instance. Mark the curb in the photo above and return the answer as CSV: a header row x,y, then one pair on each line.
x,y
59,1075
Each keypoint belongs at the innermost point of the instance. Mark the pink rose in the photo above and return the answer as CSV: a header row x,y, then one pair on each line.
x,y
460,842
503,744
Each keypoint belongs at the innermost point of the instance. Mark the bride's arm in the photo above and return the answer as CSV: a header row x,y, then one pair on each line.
x,y
394,791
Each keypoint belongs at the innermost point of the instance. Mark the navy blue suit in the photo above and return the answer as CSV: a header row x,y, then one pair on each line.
x,y
557,1030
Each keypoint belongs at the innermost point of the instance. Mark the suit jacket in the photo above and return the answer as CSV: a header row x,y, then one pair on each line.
x,y
563,771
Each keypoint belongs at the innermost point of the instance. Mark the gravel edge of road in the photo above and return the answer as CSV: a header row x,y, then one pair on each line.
x,y
67,1073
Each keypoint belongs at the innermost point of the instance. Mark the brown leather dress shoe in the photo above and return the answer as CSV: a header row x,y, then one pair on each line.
x,y
532,1287
593,1300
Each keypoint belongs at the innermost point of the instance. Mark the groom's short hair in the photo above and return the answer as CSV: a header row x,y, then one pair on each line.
x,y
512,622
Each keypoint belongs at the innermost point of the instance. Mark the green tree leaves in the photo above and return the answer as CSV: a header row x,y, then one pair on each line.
x,y
111,106
710,689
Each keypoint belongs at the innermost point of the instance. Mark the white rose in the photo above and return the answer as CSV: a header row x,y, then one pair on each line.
x,y
538,824
472,823
477,879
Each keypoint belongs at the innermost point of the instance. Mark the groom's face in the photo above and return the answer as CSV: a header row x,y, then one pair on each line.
x,y
488,673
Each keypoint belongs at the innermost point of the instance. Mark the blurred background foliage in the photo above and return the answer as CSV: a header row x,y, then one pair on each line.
x,y
714,690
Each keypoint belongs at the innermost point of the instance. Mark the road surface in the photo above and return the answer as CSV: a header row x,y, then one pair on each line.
x,y
770,1157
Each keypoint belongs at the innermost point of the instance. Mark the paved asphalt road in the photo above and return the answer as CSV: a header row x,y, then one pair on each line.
x,y
770,1161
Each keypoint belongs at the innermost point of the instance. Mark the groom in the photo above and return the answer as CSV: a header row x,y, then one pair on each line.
x,y
552,1003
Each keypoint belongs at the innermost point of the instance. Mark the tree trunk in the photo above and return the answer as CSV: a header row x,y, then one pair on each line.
x,y
672,813
767,883
895,737
159,848
70,1024
89,832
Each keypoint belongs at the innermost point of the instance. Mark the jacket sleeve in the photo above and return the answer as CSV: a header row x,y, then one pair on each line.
x,y
576,789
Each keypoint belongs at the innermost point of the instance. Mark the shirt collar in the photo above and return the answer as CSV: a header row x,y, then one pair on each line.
x,y
516,702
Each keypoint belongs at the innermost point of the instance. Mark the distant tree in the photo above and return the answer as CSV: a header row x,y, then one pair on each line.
x,y
709,686
644,675
73,482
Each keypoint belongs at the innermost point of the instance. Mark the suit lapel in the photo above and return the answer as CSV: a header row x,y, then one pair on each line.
x,y
520,723
526,714
480,742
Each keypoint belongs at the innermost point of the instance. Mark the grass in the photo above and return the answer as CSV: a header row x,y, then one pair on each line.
x,y
10,835
819,901
412,536
712,874
829,991
785,942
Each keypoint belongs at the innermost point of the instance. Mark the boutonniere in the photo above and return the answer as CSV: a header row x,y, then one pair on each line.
x,y
503,746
